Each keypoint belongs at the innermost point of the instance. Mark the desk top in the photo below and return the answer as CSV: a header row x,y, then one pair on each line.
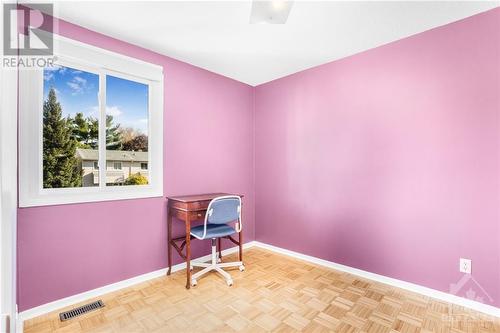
x,y
198,197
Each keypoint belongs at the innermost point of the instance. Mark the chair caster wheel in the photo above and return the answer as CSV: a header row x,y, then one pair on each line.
x,y
194,282
229,282
242,268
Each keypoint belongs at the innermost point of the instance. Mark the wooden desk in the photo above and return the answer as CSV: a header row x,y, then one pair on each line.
x,y
189,208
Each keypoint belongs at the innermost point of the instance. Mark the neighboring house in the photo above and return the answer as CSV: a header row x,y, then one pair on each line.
x,y
119,165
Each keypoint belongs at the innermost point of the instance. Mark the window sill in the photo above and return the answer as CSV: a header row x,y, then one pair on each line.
x,y
52,197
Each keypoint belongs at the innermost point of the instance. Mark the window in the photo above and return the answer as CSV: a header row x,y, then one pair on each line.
x,y
70,126
92,108
127,127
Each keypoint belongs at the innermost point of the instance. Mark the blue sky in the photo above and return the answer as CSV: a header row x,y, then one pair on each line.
x,y
76,90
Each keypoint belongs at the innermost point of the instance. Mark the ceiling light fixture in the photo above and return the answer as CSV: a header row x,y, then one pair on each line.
x,y
273,12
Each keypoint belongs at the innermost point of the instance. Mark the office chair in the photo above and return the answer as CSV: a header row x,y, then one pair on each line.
x,y
221,211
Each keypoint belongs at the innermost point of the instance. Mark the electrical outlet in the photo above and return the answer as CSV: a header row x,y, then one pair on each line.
x,y
465,266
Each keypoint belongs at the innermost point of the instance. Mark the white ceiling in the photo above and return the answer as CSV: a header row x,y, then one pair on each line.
x,y
217,35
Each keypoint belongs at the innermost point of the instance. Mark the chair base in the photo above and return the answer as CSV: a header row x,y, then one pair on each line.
x,y
215,265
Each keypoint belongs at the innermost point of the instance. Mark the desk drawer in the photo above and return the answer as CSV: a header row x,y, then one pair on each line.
x,y
179,214
199,215
198,205
193,216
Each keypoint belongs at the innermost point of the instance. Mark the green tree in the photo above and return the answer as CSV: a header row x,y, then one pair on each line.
x,y
113,135
60,166
93,125
136,179
85,131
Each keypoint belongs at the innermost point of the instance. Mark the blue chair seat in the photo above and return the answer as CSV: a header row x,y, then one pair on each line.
x,y
213,230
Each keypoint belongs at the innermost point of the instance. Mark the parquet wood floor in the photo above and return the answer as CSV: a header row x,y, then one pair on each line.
x,y
276,293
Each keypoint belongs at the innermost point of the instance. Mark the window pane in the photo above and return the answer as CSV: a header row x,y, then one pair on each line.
x,y
70,127
126,132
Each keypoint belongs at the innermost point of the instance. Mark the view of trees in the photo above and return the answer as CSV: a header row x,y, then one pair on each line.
x,y
60,166
62,135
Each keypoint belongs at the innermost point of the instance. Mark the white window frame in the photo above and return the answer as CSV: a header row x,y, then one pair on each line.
x,y
71,53
115,163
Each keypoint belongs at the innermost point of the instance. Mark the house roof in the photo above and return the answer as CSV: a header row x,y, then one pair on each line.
x,y
112,155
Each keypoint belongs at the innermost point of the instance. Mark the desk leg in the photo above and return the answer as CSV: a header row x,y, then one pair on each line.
x,y
169,240
240,237
188,251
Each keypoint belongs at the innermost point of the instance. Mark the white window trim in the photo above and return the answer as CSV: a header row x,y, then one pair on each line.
x,y
8,196
115,163
96,60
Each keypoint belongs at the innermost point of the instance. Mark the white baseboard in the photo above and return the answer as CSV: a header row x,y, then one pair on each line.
x,y
440,295
53,306
61,303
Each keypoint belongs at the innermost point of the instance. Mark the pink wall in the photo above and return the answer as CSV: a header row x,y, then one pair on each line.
x,y
208,125
388,160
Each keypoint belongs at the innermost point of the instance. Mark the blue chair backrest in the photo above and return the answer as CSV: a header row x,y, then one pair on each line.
x,y
223,210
